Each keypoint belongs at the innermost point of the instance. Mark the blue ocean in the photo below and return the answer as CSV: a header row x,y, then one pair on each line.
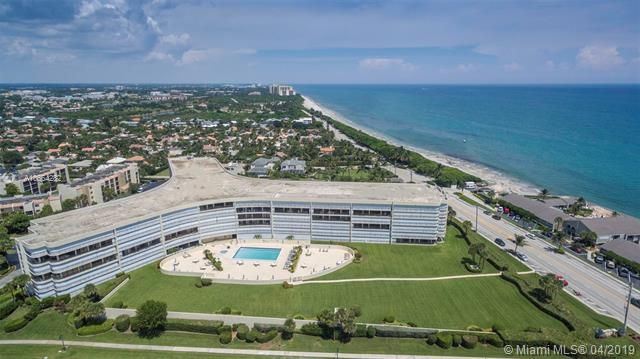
x,y
579,140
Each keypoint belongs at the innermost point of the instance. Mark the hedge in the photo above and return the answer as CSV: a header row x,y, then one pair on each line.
x,y
16,324
371,331
194,326
266,337
312,329
432,339
265,328
135,324
361,331
444,341
122,323
456,340
545,308
33,312
241,331
403,332
619,260
7,309
225,337
469,341
96,329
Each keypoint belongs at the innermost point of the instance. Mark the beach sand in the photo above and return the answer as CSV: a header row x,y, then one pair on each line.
x,y
497,181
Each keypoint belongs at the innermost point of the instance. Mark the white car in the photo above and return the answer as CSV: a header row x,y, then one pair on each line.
x,y
530,236
523,257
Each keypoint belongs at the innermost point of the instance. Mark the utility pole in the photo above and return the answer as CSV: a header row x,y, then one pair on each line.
x,y
626,310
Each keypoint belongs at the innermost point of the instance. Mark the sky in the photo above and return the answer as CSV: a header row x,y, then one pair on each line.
x,y
347,41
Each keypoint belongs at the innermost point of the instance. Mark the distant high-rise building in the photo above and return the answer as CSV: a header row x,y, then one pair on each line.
x,y
281,90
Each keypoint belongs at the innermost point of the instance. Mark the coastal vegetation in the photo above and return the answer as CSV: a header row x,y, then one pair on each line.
x,y
398,155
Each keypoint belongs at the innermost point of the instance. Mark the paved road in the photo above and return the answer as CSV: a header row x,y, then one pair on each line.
x,y
601,292
9,277
176,349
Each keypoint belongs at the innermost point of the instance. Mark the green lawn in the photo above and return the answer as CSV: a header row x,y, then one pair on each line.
x,y
442,304
392,260
51,324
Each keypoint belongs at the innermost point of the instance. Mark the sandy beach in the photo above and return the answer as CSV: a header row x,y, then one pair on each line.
x,y
499,182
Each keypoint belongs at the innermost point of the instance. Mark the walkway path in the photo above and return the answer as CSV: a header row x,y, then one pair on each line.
x,y
176,349
397,279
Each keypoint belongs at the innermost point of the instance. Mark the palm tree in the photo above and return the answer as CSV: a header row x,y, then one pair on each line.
x,y
257,236
451,214
466,227
544,193
519,241
589,238
476,249
20,283
558,238
557,224
91,292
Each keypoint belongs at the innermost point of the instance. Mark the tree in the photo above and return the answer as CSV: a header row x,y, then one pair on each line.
x,y
475,250
17,222
20,283
68,204
91,292
108,194
589,238
451,214
47,210
544,193
290,237
152,317
550,284
11,189
6,243
82,200
558,238
257,236
11,158
466,227
520,241
557,224
288,329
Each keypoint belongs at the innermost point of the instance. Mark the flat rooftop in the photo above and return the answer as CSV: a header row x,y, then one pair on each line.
x,y
204,180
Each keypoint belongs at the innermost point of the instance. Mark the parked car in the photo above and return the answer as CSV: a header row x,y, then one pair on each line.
x,y
499,242
623,272
635,301
578,249
599,259
611,265
523,257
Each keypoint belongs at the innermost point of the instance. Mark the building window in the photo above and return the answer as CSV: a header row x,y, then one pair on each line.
x,y
370,226
181,233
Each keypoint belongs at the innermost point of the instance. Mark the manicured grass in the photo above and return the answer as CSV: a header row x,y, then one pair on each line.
x,y
471,201
53,352
164,172
412,261
442,304
51,324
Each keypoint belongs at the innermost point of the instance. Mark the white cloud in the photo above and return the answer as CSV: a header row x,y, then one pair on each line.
x,y
20,48
55,57
176,40
512,67
380,63
599,57
153,24
159,56
198,55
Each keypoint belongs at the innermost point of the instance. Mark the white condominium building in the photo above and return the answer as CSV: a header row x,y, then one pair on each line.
x,y
281,90
116,178
202,203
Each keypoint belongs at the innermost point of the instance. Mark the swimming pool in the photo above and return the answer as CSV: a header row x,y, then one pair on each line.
x,y
255,253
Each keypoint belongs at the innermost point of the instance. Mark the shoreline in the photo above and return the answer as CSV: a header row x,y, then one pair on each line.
x,y
496,180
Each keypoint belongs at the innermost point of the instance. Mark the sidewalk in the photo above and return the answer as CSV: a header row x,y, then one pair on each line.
x,y
275,353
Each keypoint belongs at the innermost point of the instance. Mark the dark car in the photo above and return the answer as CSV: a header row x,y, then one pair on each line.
x,y
496,217
623,272
635,301
500,242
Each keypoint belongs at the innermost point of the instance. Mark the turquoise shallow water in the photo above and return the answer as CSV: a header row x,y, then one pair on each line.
x,y
578,140
255,253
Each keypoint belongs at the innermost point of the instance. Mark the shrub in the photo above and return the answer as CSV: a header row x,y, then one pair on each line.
x,y
119,274
47,302
152,317
361,331
432,339
122,323
225,337
267,337
312,329
357,311
241,331
118,304
15,324
224,328
33,312
469,341
389,319
403,332
412,324
198,284
456,340
7,309
205,282
371,331
287,285
251,335
474,328
236,312
288,328
492,340
497,327
96,329
135,324
225,310
444,341
264,328
298,316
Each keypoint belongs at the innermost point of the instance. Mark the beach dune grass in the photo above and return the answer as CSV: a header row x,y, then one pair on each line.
x,y
453,304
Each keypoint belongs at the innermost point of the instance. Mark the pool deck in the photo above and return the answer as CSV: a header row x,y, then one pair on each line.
x,y
316,260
